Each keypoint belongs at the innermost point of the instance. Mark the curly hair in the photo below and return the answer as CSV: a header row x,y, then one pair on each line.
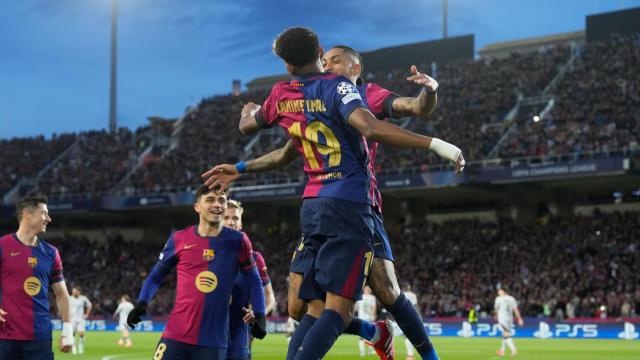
x,y
297,46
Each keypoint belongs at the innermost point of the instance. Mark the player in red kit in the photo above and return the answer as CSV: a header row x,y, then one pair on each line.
x,y
28,267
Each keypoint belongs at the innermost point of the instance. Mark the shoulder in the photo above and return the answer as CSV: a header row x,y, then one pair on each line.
x,y
233,235
258,256
48,248
373,87
185,233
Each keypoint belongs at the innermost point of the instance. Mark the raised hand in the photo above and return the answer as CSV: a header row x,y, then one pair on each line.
x,y
429,83
220,175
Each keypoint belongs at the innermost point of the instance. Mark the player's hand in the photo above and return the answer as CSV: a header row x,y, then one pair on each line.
x,y
249,109
460,164
249,316
2,314
135,316
220,175
259,328
429,83
66,338
520,322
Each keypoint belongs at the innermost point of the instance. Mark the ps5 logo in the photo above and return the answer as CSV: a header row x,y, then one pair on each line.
x,y
629,332
482,329
544,331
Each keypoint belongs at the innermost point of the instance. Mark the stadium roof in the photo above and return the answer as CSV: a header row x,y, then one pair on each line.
x,y
503,49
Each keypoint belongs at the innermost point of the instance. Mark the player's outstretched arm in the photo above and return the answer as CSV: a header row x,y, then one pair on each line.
x,y
62,301
388,133
223,175
166,262
248,123
421,105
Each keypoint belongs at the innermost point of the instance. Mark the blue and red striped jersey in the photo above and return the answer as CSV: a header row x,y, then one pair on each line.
x,y
314,110
25,275
207,268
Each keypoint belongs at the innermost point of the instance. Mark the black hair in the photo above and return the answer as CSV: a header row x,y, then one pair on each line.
x,y
29,202
297,46
204,190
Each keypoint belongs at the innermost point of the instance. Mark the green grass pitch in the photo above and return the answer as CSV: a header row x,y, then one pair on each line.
x,y
102,346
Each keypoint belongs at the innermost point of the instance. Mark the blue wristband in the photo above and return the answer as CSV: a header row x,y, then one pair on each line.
x,y
241,167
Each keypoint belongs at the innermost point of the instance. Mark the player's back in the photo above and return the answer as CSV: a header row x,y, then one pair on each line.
x,y
314,110
504,305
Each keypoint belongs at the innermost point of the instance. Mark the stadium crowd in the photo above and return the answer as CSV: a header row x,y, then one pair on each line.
x,y
474,97
24,157
566,267
594,109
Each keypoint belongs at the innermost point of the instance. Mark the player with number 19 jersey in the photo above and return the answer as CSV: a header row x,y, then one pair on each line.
x,y
336,155
336,217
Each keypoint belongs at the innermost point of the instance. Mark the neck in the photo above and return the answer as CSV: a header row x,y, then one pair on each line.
x,y
209,229
310,68
27,236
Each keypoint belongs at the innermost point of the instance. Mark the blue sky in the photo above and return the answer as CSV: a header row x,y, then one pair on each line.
x,y
54,63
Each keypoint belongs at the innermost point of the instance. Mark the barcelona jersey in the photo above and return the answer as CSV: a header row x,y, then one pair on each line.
x,y
380,101
25,275
314,110
206,269
238,330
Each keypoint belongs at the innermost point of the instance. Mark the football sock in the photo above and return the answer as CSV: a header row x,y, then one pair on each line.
x,y
364,329
411,324
305,324
504,344
321,336
511,345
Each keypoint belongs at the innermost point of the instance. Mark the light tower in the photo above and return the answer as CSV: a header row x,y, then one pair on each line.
x,y
113,86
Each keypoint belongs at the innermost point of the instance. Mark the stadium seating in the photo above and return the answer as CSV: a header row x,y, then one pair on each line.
x,y
594,111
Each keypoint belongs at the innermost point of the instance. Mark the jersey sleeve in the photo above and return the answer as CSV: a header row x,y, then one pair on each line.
x,y
344,96
267,116
262,268
166,262
380,101
118,310
245,255
56,271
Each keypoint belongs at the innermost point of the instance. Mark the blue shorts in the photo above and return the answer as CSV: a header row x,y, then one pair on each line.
x,y
337,249
381,245
168,349
25,350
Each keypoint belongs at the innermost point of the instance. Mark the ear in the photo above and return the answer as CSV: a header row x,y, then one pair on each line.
x,y
356,69
196,207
